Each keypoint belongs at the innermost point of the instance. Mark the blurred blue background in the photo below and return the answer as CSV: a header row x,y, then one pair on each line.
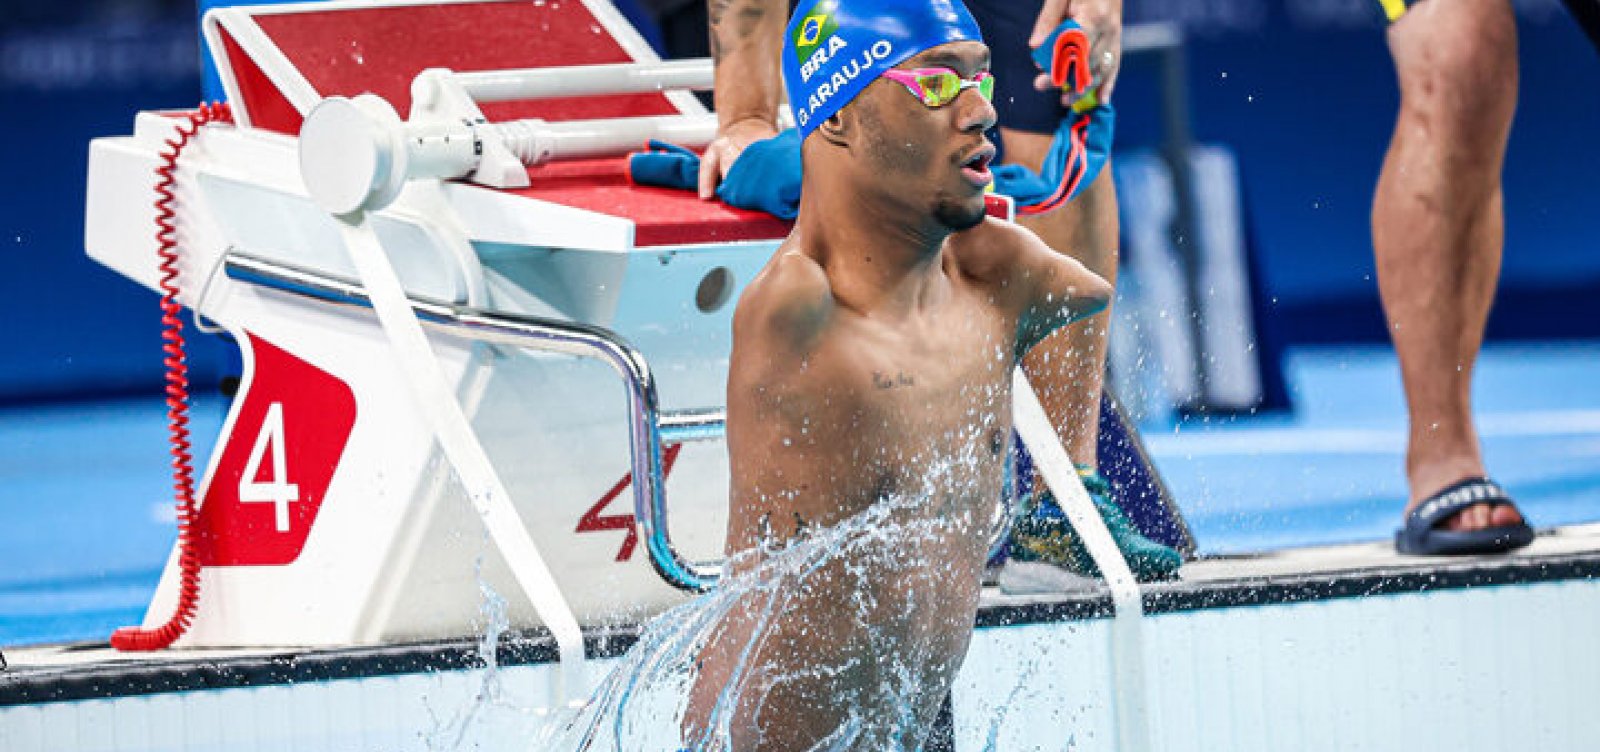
x,y
1301,90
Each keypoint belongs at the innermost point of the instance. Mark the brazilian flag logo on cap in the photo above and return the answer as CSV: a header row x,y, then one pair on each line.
x,y
814,29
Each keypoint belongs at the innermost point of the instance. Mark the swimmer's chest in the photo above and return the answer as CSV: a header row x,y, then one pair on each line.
x,y
943,372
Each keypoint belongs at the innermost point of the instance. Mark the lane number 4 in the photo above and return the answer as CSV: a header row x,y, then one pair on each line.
x,y
277,491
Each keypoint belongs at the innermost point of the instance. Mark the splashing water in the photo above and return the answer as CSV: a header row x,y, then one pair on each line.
x,y
491,716
451,734
886,596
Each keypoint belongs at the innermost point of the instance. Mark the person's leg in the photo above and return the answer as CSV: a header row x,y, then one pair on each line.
x,y
1067,370
1437,228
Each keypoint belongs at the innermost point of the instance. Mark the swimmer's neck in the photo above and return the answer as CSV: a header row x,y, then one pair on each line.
x,y
873,252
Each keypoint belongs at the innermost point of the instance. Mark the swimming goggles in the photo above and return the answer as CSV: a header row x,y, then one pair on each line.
x,y
937,87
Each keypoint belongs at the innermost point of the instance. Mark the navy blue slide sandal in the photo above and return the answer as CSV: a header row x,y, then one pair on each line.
x,y
1420,537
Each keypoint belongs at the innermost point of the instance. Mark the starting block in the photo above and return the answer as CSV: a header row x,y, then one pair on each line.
x,y
582,322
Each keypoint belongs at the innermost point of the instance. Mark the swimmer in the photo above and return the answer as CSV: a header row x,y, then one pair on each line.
x,y
875,347
1045,553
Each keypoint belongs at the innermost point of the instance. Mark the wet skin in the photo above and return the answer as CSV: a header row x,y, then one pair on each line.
x,y
870,374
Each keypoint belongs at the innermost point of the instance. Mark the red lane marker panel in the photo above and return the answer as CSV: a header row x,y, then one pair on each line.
x,y
381,49
278,461
269,109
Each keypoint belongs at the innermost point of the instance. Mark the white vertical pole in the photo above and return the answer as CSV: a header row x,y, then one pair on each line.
x,y
1127,633
444,417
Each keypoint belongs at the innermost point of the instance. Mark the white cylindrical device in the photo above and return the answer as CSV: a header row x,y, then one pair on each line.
x,y
356,154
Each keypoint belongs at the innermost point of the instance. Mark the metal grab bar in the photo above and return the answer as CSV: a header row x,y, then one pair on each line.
x,y
585,80
647,426
536,142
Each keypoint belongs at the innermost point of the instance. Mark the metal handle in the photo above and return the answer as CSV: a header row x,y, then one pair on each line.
x,y
647,425
585,80
536,142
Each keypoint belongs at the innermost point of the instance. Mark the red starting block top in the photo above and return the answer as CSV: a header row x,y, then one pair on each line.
x,y
280,60
662,216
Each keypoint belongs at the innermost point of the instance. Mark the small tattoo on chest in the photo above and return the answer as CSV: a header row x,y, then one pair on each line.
x,y
883,380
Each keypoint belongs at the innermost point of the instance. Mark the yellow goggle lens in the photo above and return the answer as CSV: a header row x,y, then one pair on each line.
x,y
939,87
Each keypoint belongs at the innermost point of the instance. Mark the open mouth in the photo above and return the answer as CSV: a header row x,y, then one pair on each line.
x,y
975,168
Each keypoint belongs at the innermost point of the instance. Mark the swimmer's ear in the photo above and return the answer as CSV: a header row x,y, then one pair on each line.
x,y
835,131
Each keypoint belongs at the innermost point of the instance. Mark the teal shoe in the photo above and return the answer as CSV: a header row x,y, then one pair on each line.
x,y
1044,535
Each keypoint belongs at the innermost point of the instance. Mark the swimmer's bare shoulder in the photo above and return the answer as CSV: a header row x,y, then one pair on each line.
x,y
781,314
1044,289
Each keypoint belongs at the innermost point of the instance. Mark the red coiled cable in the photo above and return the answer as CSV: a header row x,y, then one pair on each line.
x,y
137,638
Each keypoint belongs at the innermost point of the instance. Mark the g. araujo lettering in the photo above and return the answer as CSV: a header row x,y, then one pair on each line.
x,y
844,73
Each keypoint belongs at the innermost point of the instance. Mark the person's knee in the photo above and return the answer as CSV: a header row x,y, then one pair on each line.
x,y
1457,64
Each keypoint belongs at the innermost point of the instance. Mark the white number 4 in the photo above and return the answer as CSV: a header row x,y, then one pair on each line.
x,y
278,490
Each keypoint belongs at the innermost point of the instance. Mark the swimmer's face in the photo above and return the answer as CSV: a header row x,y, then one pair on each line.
x,y
936,158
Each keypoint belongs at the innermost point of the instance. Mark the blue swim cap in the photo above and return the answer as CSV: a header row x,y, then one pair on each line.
x,y
834,48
